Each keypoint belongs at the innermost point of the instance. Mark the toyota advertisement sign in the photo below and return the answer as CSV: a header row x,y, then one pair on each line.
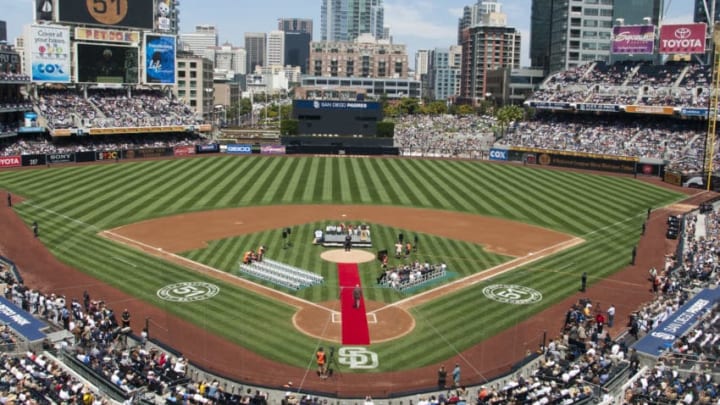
x,y
633,39
682,38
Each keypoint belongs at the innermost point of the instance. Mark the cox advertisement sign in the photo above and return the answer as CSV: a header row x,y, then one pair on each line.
x,y
240,149
498,154
682,38
49,53
10,161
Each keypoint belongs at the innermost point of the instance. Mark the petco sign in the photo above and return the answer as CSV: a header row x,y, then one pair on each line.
x,y
10,161
498,154
682,38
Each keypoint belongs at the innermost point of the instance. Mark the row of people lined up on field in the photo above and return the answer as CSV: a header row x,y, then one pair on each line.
x,y
251,256
408,273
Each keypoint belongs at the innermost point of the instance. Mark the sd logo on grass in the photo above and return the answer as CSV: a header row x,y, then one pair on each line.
x,y
512,294
188,291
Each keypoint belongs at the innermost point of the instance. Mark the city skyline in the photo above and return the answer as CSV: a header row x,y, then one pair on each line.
x,y
425,25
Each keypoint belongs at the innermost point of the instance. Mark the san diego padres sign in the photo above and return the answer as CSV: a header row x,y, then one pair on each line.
x,y
188,291
512,294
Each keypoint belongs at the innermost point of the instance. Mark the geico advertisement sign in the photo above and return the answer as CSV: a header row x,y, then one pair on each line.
x,y
245,149
498,154
10,161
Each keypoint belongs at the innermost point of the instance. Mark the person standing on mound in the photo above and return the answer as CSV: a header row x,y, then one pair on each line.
x,y
348,242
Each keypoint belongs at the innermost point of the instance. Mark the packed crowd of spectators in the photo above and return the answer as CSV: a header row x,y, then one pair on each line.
x,y
621,136
36,379
14,77
67,108
663,385
15,103
443,135
146,108
677,84
41,145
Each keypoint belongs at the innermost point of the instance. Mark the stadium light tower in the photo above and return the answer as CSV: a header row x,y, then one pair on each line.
x,y
713,107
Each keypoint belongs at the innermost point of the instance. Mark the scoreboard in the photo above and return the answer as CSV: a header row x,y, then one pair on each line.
x,y
113,13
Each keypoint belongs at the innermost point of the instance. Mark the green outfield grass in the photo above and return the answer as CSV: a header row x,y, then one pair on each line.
x,y
73,203
463,258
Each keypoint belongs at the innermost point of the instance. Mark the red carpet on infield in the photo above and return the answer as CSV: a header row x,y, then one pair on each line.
x,y
354,321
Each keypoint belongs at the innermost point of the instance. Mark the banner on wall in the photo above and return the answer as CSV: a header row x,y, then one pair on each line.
x,y
49,53
160,51
633,39
104,35
682,38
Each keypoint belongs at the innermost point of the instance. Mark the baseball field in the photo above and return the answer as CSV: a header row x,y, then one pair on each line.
x,y
515,241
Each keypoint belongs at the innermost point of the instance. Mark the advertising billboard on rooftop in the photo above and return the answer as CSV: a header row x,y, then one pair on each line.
x,y
633,39
682,38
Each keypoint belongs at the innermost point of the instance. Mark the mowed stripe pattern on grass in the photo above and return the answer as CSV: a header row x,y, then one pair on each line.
x,y
73,203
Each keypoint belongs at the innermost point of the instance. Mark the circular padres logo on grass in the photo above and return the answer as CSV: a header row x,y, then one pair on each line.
x,y
188,291
512,294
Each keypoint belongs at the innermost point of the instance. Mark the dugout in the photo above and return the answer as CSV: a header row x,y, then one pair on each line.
x,y
337,117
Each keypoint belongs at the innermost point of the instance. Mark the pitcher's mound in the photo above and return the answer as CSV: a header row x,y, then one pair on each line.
x,y
341,256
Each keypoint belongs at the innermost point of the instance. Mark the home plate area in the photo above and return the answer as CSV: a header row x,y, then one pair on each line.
x,y
337,317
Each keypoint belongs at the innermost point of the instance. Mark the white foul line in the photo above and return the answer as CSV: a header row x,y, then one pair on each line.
x,y
301,301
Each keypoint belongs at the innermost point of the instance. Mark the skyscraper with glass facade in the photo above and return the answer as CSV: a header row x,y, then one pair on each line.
x,y
345,20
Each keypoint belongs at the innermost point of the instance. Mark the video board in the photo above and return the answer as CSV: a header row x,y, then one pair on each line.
x,y
160,51
117,13
103,63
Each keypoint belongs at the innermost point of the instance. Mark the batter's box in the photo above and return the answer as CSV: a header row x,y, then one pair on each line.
x,y
337,318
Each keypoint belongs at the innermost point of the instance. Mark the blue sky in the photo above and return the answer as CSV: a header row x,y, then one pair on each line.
x,y
420,24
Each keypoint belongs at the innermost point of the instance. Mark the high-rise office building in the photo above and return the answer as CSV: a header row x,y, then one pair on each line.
x,y
298,35
422,63
255,43
638,12
484,12
487,43
275,49
444,72
204,37
364,57
3,31
228,58
297,49
568,33
345,20
701,13
486,48
296,25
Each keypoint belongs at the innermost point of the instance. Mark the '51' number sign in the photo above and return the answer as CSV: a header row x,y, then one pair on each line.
x,y
109,12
